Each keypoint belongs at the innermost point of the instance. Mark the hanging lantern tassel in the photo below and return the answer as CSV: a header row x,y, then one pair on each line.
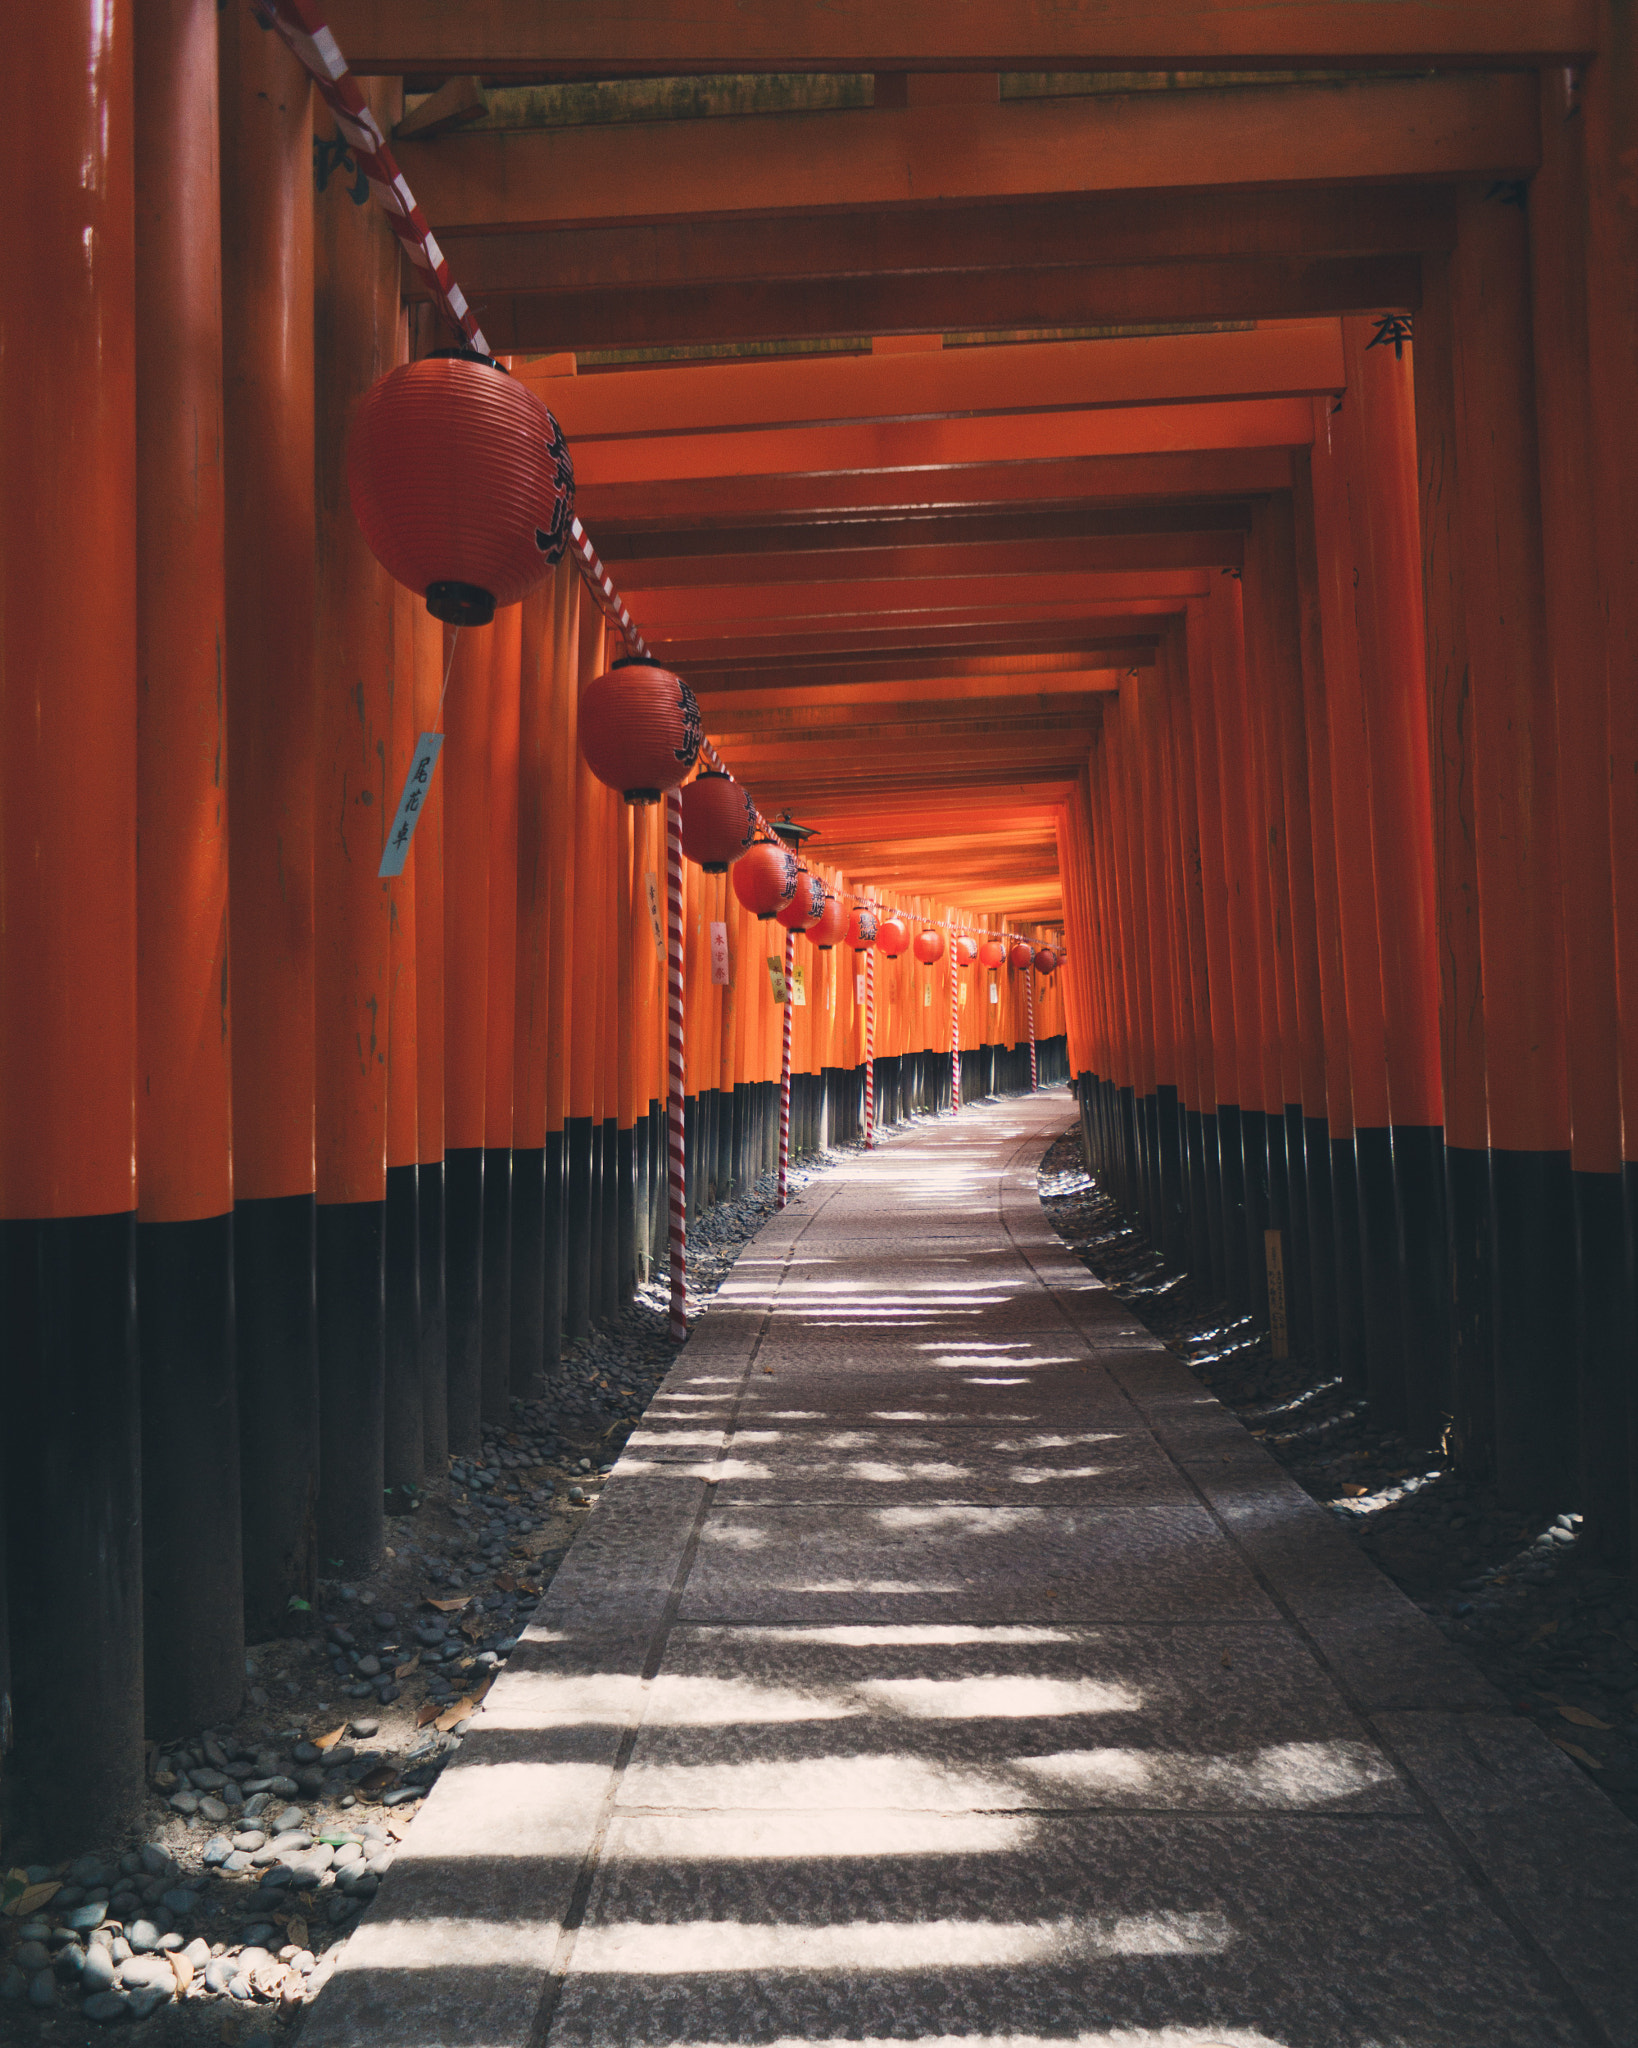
x,y
785,1076
678,1165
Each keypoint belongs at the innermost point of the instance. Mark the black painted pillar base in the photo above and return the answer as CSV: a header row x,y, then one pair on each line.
x,y
276,1328
1419,1186
1533,1220
193,1600
463,1297
1254,1165
1604,1343
1299,1263
577,1284
1173,1240
1382,1275
403,1458
1350,1272
1322,1246
1231,1178
528,1275
434,1321
1467,1206
625,1181
497,1284
551,1313
640,1132
352,1350
608,1264
71,1445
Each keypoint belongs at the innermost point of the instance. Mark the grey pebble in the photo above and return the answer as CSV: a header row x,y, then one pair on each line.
x,y
249,1838
83,1918
33,1955
216,1851
106,2006
185,1802
213,1809
181,1900
143,1936
220,1972
13,1984
42,1988
98,1974
289,1818
142,1971
146,2003
364,1728
155,1860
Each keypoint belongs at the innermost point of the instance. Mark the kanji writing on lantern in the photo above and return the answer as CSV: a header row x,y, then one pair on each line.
x,y
422,762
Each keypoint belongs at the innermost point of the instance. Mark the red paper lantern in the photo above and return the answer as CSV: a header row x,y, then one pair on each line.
x,y
892,936
765,879
639,729
461,483
966,951
992,952
861,928
718,820
1022,954
1045,960
929,945
832,925
807,906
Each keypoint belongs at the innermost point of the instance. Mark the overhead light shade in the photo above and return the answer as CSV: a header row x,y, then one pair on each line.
x,y
1022,954
461,483
807,906
1046,960
992,952
966,951
639,729
861,928
718,820
893,936
929,945
765,878
832,926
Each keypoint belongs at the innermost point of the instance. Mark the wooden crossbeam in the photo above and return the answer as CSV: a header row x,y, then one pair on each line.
x,y
1434,129
787,705
821,670
733,610
1111,555
634,38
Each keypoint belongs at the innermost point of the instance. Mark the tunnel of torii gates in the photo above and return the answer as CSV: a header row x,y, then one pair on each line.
x,y
1158,482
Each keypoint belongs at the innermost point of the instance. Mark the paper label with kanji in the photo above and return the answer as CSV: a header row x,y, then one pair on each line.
x,y
416,784
720,974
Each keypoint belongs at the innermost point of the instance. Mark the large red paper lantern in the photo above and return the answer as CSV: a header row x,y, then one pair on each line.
x,y
966,951
929,945
1045,960
639,729
765,879
992,952
892,936
832,925
461,483
1022,954
861,928
807,906
718,821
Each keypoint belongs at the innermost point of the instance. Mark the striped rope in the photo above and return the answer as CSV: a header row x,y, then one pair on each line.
x,y
1029,1004
870,1049
785,1076
678,1187
955,1027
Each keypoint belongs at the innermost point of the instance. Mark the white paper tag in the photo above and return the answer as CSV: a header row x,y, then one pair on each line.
x,y
963,1003
776,979
927,997
719,954
654,916
408,815
995,993
858,988
799,988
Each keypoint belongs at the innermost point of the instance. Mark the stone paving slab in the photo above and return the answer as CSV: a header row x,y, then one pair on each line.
x,y
942,1664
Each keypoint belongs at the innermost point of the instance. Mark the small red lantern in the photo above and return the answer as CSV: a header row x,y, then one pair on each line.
x,y
718,820
929,945
807,906
1045,960
461,483
892,936
992,952
639,729
861,928
966,951
832,925
1022,954
765,879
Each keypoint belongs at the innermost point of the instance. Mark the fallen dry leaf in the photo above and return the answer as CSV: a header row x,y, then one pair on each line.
x,y
1580,1716
330,1740
506,1583
448,1606
380,1778
297,1930
428,1712
404,1670
452,1715
30,1901
181,1970
1581,1755
1354,1490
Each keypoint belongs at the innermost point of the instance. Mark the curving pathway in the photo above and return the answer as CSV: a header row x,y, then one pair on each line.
x,y
943,1664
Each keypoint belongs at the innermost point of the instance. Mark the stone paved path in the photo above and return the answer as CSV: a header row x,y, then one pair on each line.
x,y
943,1664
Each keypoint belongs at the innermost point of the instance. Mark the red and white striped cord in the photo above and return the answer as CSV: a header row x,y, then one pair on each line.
x,y
955,1027
677,1188
870,1049
785,1075
1029,1004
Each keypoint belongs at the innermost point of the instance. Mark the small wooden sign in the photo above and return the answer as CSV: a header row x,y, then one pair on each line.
x,y
776,979
721,968
654,916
